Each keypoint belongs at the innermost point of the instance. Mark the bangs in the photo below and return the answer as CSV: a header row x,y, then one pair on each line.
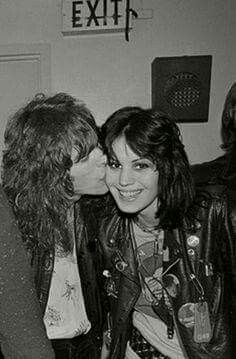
x,y
138,144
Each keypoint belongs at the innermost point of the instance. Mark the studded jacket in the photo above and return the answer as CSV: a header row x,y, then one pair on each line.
x,y
203,269
88,264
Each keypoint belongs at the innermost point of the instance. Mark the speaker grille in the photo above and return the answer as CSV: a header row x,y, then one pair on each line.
x,y
180,86
182,90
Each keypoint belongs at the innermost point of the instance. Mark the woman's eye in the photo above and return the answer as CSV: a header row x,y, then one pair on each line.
x,y
141,166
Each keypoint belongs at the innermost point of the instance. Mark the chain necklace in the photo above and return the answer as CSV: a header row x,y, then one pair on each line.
x,y
144,228
155,232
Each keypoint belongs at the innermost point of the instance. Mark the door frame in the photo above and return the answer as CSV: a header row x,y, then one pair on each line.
x,y
41,53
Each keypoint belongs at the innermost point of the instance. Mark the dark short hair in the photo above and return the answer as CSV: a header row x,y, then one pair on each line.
x,y
154,135
39,139
228,127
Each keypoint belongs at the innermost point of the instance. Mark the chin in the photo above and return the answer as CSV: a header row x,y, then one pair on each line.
x,y
128,207
99,191
104,191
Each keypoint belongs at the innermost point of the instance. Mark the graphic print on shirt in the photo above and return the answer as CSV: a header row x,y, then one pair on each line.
x,y
156,287
65,315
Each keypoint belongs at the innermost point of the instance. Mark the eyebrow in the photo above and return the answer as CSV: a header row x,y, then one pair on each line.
x,y
142,159
114,157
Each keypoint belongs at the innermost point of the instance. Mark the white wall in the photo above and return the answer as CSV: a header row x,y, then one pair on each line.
x,y
107,72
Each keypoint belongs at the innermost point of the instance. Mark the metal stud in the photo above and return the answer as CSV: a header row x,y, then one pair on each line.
x,y
193,241
191,252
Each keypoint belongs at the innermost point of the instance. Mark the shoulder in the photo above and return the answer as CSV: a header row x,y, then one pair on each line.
x,y
213,205
20,315
96,213
96,207
209,172
8,225
218,178
4,204
91,204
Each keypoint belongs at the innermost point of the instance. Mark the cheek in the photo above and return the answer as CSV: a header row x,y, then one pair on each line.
x,y
109,177
152,184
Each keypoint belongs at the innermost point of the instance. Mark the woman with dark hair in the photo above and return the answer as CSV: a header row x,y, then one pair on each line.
x,y
52,158
167,252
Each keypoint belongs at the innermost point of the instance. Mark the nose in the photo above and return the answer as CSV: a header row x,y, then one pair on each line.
x,y
125,177
103,159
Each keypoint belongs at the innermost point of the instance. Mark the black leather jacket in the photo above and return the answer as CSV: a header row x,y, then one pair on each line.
x,y
88,263
219,172
211,265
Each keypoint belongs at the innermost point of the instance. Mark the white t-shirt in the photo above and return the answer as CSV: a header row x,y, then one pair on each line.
x,y
65,315
155,332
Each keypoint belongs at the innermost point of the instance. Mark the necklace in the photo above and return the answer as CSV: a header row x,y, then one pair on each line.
x,y
156,233
153,230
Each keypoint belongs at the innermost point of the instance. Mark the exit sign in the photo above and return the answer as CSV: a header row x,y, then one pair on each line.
x,y
93,16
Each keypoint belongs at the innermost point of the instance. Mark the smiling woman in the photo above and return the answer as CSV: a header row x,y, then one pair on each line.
x,y
133,181
164,270
146,155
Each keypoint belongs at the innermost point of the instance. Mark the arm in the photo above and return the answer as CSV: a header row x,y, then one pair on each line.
x,y
232,274
227,222
22,330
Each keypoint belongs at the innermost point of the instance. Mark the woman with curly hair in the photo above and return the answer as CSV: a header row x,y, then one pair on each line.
x,y
52,157
168,252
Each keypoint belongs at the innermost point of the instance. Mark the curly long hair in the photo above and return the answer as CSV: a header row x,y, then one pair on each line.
x,y
155,136
36,162
228,128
